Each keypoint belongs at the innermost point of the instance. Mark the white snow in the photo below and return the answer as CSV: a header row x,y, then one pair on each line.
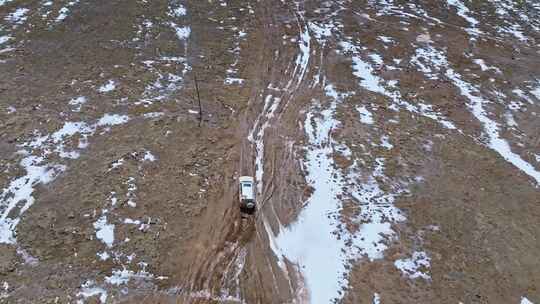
x,y
321,31
302,60
511,122
112,120
182,32
376,299
376,58
370,81
491,128
104,231
4,39
505,25
27,258
424,38
78,102
17,197
121,277
429,61
312,242
385,39
414,267
3,2
5,290
365,115
148,156
464,12
107,87
116,164
271,104
130,221
179,11
385,142
524,300
166,83
536,92
153,114
103,256
309,242
19,194
376,215
18,16
234,80
427,111
62,14
88,289
484,67
132,187
64,11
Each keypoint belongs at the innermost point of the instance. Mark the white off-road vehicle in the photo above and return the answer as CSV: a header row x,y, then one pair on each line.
x,y
247,192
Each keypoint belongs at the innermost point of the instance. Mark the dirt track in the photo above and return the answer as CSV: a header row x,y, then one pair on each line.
x,y
350,114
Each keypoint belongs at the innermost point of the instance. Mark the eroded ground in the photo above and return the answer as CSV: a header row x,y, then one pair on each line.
x,y
395,146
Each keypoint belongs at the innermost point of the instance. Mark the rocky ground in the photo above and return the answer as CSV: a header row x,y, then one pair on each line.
x,y
395,146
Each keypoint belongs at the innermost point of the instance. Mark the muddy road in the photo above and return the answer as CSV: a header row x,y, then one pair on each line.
x,y
394,145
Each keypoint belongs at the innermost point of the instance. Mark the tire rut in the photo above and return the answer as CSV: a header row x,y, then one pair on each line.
x,y
239,243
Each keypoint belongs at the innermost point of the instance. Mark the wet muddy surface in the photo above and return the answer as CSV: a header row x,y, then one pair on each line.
x,y
395,147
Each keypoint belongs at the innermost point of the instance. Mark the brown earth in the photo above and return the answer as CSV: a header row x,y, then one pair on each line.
x,y
487,211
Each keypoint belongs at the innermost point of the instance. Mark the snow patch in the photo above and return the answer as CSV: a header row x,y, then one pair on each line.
x,y
372,82
234,80
182,32
108,87
122,277
315,243
148,156
18,196
3,2
89,289
180,11
103,256
464,12
4,39
104,231
365,115
524,300
484,67
491,128
153,114
77,103
385,142
63,13
18,16
429,61
376,299
416,266
112,120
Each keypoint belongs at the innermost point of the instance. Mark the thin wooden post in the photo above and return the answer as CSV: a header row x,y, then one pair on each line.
x,y
198,98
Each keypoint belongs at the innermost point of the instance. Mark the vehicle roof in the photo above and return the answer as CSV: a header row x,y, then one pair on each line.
x,y
246,179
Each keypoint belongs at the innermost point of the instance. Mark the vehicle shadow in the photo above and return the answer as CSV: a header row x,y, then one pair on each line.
x,y
248,211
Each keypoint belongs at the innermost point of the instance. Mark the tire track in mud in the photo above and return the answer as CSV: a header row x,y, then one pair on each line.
x,y
240,243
